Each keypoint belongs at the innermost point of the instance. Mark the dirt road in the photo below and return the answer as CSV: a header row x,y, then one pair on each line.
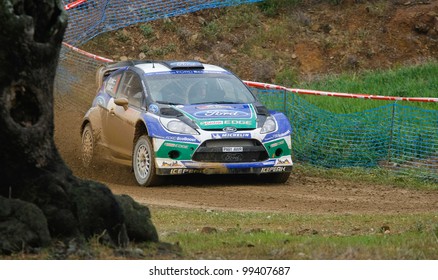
x,y
300,194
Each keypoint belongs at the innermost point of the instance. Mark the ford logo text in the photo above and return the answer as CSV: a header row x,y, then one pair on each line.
x,y
229,129
222,113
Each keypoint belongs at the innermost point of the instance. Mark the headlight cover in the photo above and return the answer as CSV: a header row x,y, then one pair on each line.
x,y
269,126
178,126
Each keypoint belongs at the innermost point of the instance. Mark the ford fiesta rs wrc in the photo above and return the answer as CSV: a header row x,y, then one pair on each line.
x,y
181,117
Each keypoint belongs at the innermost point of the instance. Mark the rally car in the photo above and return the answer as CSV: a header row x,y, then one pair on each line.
x,y
181,117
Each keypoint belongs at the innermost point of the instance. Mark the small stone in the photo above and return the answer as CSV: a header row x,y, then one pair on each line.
x,y
208,230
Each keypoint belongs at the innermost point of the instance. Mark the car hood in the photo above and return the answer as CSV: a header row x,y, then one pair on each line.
x,y
219,116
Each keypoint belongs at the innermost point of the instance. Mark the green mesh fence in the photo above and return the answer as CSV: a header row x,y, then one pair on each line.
x,y
88,18
401,138
75,79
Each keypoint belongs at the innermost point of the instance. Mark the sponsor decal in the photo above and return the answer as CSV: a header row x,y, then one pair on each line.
x,y
171,164
153,108
101,101
230,135
179,138
238,122
229,129
277,144
221,114
185,64
214,106
174,145
227,122
187,71
112,82
212,123
276,135
184,171
279,135
283,162
273,169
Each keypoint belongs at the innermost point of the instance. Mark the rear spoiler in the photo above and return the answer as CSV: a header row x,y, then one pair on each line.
x,y
105,70
102,72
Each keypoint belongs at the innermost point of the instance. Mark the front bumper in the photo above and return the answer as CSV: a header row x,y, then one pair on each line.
x,y
278,165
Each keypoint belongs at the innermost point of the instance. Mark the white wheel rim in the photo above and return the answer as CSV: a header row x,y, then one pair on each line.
x,y
143,161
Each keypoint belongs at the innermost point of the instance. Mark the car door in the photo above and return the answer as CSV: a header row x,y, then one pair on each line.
x,y
123,112
106,97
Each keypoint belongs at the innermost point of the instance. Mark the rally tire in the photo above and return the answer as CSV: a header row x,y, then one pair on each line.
x,y
87,146
143,162
276,178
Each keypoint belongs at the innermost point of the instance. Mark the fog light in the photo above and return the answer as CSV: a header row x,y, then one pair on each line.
x,y
278,152
174,154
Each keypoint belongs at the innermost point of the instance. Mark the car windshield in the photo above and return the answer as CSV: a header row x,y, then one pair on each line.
x,y
174,89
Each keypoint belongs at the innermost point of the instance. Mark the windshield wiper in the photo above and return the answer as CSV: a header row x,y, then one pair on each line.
x,y
217,102
168,103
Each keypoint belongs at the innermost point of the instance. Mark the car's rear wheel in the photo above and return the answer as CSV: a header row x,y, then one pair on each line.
x,y
87,146
143,162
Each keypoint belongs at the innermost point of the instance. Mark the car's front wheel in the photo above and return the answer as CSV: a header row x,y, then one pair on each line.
x,y
87,151
143,162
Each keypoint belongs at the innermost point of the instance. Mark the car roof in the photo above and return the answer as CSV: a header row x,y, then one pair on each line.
x,y
167,66
151,66
155,66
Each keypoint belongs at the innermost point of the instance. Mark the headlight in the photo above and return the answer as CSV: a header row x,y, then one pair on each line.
x,y
180,127
269,126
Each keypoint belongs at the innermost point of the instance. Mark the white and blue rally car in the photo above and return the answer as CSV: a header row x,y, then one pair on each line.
x,y
181,117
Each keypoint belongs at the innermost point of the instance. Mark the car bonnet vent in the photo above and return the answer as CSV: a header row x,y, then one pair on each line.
x,y
183,65
170,112
262,110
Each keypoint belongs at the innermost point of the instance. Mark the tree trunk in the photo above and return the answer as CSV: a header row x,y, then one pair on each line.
x,y
32,170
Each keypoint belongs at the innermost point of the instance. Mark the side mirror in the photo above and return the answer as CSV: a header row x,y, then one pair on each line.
x,y
122,102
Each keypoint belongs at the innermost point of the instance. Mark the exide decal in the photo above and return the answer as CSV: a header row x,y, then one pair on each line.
x,y
221,114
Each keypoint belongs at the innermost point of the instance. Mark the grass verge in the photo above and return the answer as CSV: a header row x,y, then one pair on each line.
x,y
413,81
236,235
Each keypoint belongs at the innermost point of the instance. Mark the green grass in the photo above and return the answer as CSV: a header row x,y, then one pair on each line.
x,y
372,175
413,81
272,8
266,235
147,30
291,236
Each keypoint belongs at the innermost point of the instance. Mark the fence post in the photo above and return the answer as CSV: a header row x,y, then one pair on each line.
x,y
284,100
288,109
391,132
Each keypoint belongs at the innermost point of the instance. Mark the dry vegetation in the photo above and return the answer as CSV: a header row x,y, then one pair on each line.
x,y
287,41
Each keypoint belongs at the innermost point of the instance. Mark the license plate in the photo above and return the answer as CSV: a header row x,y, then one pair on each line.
x,y
232,149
